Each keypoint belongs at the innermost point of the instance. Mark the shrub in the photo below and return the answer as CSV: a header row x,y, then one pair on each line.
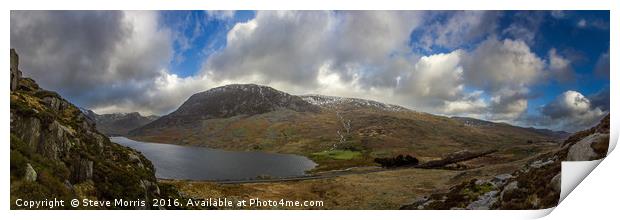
x,y
398,161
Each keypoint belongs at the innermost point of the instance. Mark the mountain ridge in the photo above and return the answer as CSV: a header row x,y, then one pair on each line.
x,y
118,124
468,121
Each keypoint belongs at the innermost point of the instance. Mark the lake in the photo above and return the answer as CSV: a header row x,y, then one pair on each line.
x,y
201,163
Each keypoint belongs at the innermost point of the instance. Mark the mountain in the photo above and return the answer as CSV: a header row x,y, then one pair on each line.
x,y
56,152
118,124
253,117
228,101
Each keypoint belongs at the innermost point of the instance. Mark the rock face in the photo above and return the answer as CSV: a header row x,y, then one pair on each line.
x,y
56,152
536,185
118,124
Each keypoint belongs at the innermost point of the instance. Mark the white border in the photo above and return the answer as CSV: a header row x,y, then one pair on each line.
x,y
581,198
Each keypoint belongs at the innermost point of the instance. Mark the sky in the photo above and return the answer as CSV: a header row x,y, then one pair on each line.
x,y
545,69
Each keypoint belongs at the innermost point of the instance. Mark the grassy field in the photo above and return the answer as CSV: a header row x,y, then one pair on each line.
x,y
385,190
339,154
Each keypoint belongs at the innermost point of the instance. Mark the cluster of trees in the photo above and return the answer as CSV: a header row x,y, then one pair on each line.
x,y
398,161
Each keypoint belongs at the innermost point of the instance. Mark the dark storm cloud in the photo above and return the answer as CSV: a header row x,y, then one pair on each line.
x,y
64,50
94,58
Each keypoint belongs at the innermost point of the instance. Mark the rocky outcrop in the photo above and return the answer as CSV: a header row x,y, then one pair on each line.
x,y
56,152
591,144
15,73
592,147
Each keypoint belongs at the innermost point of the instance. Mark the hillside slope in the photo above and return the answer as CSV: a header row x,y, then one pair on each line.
x,y
56,152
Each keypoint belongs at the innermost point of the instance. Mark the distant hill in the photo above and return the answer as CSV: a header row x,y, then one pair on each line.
x,y
118,124
472,122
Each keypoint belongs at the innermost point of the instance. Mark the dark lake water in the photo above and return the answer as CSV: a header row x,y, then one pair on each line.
x,y
200,163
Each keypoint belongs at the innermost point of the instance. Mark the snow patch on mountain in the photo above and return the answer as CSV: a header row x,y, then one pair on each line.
x,y
335,102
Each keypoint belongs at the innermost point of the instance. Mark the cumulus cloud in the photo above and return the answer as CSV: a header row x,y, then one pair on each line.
x,y
504,69
471,105
281,46
291,46
508,105
572,110
438,76
496,65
